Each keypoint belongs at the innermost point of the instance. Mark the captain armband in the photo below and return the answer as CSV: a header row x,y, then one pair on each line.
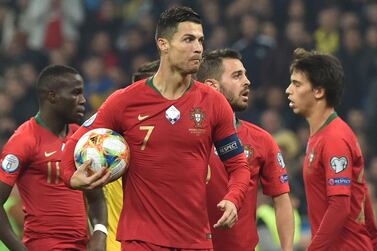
x,y
229,147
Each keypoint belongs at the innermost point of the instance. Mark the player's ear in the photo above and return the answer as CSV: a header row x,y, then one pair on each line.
x,y
51,96
319,92
163,44
213,83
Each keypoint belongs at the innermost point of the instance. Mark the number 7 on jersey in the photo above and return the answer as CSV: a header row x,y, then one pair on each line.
x,y
149,130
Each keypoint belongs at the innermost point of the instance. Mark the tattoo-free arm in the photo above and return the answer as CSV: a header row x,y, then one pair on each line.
x,y
97,215
284,221
7,236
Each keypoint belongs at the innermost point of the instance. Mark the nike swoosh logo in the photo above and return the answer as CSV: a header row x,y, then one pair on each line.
x,y
140,117
49,154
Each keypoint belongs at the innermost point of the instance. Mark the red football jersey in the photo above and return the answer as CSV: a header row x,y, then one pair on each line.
x,y
334,165
170,143
267,166
31,158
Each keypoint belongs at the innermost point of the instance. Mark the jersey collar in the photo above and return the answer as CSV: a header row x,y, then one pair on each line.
x,y
150,83
40,122
333,116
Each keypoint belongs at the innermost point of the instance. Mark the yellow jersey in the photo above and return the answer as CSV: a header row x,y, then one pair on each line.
x,y
114,198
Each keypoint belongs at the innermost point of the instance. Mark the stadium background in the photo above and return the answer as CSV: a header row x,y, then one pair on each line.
x,y
108,40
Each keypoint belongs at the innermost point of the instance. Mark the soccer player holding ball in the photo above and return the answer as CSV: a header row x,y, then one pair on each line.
x,y
114,191
55,216
223,70
339,207
170,122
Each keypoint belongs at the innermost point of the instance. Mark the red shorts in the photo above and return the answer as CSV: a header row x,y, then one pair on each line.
x,y
51,244
145,246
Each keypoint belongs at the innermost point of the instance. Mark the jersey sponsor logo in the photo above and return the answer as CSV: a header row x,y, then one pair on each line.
x,y
142,117
90,120
283,178
339,181
198,116
172,114
48,154
10,163
280,159
338,164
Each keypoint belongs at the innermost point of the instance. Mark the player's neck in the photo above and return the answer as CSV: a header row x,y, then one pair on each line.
x,y
318,118
171,85
52,123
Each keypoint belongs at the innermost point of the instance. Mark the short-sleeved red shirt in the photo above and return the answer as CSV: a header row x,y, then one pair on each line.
x,y
31,158
267,166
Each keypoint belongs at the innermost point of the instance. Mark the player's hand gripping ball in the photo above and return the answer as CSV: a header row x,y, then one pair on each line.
x,y
105,148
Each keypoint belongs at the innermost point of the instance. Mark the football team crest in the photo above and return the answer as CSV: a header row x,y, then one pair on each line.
x,y
249,151
198,116
311,157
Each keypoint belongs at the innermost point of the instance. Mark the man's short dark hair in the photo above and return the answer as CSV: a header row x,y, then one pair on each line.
x,y
212,63
322,70
170,18
146,70
49,77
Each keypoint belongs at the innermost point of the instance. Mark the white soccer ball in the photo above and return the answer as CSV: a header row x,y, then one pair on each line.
x,y
106,148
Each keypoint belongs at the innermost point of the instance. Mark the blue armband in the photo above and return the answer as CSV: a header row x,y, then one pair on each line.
x,y
229,147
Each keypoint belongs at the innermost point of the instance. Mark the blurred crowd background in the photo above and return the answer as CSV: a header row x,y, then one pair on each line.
x,y
107,40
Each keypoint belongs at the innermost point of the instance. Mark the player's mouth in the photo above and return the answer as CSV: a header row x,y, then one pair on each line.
x,y
291,103
80,111
196,59
245,95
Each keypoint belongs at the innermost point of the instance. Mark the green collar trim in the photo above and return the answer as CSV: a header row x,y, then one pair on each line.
x,y
333,116
150,83
40,121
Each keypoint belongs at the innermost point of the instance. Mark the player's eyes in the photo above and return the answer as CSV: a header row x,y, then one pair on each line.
x,y
238,75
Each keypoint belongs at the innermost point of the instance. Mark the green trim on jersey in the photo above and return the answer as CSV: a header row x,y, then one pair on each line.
x,y
333,116
150,83
40,121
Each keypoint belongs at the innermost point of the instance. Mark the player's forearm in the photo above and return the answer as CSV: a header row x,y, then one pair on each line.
x,y
7,236
97,206
284,221
332,223
239,179
98,218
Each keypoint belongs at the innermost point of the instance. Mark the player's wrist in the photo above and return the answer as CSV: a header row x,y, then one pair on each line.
x,y
101,228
